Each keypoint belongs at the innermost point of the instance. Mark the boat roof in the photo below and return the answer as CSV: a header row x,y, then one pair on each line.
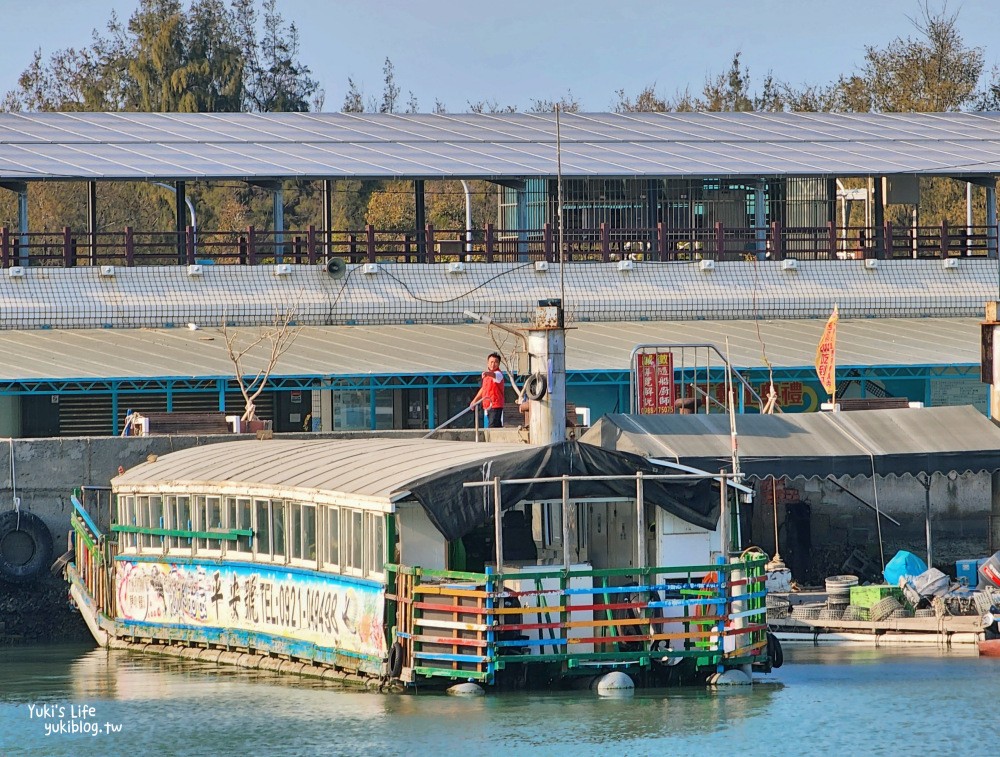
x,y
376,471
815,445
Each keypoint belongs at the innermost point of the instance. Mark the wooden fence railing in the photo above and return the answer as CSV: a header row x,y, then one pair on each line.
x,y
252,246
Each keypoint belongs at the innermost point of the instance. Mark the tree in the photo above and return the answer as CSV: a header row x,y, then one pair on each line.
x,y
566,104
933,73
277,338
390,92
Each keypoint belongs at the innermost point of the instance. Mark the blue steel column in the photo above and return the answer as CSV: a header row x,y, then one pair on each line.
x,y
371,403
114,410
278,205
431,416
170,396
221,384
521,195
22,223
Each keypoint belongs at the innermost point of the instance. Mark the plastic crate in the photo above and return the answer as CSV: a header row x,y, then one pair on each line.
x,y
866,596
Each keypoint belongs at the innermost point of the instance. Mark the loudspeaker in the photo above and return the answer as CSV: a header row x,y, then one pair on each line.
x,y
336,267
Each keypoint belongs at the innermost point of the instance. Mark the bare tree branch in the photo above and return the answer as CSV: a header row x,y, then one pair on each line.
x,y
279,337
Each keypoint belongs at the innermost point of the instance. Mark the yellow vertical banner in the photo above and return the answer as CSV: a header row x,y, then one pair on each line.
x,y
826,355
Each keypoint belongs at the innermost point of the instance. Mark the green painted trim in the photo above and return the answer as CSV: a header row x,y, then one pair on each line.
x,y
449,673
231,534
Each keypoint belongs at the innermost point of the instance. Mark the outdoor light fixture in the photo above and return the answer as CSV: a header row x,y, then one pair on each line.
x,y
625,265
871,264
541,266
456,267
15,272
790,265
369,268
194,269
107,270
282,269
706,265
949,263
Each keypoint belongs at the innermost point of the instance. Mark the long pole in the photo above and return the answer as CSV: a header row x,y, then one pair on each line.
x,y
559,213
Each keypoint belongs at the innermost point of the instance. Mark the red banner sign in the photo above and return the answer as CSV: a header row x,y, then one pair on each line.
x,y
656,383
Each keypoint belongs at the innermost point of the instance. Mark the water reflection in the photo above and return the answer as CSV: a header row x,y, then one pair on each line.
x,y
823,700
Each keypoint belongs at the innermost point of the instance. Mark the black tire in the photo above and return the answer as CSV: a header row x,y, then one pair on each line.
x,y
536,386
395,660
774,651
25,546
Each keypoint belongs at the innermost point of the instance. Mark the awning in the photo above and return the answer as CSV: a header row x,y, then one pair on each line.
x,y
456,510
857,443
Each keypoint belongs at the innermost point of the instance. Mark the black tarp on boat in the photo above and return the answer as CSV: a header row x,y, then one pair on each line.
x,y
456,510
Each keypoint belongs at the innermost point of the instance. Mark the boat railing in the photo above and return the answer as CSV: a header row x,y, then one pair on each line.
x,y
469,626
94,558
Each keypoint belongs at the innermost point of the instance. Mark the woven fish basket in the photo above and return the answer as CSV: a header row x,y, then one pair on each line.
x,y
853,612
777,613
830,613
884,608
806,612
927,612
902,612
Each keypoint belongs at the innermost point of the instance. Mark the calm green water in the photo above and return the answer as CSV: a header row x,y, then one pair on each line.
x,y
827,700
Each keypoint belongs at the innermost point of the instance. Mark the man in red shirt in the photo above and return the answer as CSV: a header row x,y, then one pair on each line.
x,y
491,392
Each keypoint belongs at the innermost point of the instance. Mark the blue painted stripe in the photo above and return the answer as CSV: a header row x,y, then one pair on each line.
x,y
83,514
451,657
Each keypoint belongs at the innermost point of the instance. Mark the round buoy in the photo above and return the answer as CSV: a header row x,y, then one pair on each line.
x,y
467,689
731,677
615,684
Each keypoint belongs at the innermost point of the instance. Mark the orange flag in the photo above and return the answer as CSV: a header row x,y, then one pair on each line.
x,y
826,355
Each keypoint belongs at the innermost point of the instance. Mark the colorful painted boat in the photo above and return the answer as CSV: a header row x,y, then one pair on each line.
x,y
414,561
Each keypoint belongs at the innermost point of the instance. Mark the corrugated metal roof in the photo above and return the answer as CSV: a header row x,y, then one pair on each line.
x,y
87,354
369,469
911,440
338,145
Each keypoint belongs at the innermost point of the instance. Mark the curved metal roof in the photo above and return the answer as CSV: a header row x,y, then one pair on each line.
x,y
243,146
376,470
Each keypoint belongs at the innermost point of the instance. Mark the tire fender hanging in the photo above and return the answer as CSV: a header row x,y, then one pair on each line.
x,y
536,386
395,663
25,546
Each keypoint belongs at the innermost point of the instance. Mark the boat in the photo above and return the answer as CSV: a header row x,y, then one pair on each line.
x,y
402,563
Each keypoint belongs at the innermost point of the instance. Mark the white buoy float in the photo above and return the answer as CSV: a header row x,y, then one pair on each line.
x,y
467,689
615,684
731,677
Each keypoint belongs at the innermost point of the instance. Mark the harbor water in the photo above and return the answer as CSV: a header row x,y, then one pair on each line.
x,y
825,700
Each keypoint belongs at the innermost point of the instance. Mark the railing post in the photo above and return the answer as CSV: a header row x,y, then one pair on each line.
x,y
831,230
887,241
429,243
720,241
242,250
661,240
352,246
605,242
297,248
5,246
189,244
944,239
777,241
311,244
370,241
129,247
251,246
69,259
490,241
547,241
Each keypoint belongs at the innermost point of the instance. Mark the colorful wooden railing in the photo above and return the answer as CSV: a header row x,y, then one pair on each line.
x,y
469,626
94,559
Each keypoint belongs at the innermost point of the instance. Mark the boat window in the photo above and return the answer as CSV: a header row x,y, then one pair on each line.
x,y
309,532
210,519
154,506
182,521
332,537
277,527
376,543
244,522
127,517
357,539
295,529
262,533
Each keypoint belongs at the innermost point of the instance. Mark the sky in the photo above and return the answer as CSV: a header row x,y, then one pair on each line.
x,y
513,52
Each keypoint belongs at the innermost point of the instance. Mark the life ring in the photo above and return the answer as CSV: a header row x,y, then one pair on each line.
x,y
25,546
395,660
774,652
536,386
